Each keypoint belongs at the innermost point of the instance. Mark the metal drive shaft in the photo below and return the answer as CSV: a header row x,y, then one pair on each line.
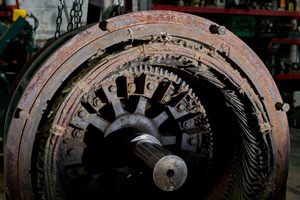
x,y
169,171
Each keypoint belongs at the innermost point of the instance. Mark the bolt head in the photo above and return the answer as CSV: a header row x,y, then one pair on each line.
x,y
131,87
221,30
96,102
110,26
113,89
285,107
150,86
181,107
82,114
193,141
23,114
72,153
167,98
78,134
188,124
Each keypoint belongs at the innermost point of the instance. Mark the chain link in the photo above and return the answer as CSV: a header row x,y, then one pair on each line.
x,y
75,15
59,18
72,15
79,13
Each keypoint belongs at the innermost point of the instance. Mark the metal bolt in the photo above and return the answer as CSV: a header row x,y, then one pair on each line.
x,y
23,114
131,87
193,141
221,30
104,25
282,106
113,89
78,134
170,92
167,98
82,114
181,107
96,102
150,86
110,26
72,153
188,124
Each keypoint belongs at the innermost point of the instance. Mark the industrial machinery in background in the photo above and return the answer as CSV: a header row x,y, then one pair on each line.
x,y
16,48
153,104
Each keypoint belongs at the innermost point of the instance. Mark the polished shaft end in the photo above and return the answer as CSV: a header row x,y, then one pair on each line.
x,y
170,173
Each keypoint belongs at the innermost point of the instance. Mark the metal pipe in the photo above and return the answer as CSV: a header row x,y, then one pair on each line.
x,y
169,171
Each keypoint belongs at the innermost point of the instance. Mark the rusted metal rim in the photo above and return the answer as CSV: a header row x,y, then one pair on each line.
x,y
130,27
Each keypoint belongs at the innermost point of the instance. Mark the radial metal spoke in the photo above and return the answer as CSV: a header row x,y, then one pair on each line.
x,y
168,140
141,107
84,119
98,122
118,108
161,118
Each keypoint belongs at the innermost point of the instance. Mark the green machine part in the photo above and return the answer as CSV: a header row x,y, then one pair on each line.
x,y
12,32
7,35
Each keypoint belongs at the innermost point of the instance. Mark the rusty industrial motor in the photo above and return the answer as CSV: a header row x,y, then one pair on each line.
x,y
150,105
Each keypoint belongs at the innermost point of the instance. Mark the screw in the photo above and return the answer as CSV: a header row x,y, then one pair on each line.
x,y
23,114
282,106
220,30
181,107
150,86
131,87
113,89
82,114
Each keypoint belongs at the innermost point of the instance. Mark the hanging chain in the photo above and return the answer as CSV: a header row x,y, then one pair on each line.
x,y
79,13
75,15
59,18
72,15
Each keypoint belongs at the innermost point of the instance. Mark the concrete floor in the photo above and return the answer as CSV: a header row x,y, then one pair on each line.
x,y
293,184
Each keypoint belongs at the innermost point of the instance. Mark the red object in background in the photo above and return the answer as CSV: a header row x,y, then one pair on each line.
x,y
10,5
287,76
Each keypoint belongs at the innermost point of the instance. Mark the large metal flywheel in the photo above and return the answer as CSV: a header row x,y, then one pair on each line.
x,y
150,105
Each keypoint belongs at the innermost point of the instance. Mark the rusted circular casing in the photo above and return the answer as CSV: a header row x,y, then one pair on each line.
x,y
47,72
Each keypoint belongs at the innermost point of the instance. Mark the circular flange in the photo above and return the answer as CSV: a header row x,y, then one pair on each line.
x,y
161,37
